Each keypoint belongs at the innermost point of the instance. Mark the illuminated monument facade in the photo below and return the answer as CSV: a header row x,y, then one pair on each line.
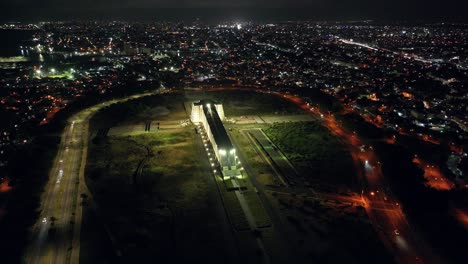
x,y
211,114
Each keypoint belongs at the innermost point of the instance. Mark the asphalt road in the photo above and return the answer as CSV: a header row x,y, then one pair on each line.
x,y
52,234
390,222
58,226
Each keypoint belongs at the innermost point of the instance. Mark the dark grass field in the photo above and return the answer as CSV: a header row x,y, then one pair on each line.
x,y
171,211
314,152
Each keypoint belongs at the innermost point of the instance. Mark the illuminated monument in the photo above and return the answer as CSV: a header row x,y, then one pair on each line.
x,y
197,110
211,115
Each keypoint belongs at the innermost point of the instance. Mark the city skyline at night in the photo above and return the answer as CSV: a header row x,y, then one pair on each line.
x,y
225,132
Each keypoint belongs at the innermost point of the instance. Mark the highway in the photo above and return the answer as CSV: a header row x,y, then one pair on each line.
x,y
52,233
55,236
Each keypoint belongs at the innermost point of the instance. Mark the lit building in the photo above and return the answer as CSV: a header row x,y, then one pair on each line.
x,y
211,114
197,110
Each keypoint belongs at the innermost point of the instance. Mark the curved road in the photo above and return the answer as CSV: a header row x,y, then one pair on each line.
x,y
59,224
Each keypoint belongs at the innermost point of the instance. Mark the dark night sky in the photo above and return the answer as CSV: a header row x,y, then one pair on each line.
x,y
433,10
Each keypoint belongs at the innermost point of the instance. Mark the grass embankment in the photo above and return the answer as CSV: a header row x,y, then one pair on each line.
x,y
168,211
314,151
